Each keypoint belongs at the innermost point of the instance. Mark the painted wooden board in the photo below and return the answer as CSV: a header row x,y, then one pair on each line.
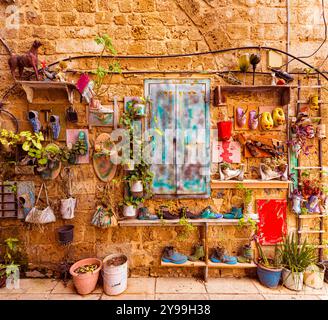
x,y
245,127
226,151
72,136
270,109
104,168
273,225
25,197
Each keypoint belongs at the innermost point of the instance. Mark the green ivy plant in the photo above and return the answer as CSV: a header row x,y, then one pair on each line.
x,y
131,201
187,229
248,194
102,72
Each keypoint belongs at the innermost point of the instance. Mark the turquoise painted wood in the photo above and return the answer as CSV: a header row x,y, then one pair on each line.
x,y
181,154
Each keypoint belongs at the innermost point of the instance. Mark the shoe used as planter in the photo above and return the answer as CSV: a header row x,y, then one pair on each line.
x,y
246,254
186,213
170,255
198,254
55,126
209,213
236,213
33,117
165,213
218,256
144,214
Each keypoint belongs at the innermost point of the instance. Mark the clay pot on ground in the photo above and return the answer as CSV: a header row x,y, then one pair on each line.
x,y
85,283
129,211
137,186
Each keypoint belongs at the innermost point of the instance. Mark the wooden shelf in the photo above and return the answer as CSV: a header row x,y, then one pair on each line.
x,y
250,184
175,223
188,264
30,86
312,216
311,231
231,266
221,91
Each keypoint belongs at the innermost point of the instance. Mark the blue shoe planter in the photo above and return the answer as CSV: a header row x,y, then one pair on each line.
x,y
269,277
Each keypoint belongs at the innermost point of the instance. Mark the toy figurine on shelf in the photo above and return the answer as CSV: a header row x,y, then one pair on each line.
x,y
226,173
61,71
279,173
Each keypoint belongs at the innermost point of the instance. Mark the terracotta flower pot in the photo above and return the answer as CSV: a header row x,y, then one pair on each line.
x,y
85,283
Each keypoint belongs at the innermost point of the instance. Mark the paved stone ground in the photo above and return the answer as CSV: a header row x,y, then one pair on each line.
x,y
164,289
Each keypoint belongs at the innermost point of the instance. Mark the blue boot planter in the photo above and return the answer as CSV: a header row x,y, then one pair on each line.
x,y
268,277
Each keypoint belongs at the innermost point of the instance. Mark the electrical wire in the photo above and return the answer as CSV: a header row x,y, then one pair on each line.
x,y
320,46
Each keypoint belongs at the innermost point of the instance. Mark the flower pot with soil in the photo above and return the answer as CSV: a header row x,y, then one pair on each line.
x,y
85,274
115,274
314,276
130,205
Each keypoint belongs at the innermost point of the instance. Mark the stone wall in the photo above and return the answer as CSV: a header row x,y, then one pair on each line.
x,y
146,27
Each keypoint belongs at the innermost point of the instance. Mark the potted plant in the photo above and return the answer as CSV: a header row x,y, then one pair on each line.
x,y
130,205
139,106
295,259
85,274
248,199
134,180
268,270
314,275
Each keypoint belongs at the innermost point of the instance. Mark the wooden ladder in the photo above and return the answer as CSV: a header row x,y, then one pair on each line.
x,y
299,168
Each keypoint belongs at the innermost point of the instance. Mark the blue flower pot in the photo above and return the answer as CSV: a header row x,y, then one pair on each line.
x,y
269,277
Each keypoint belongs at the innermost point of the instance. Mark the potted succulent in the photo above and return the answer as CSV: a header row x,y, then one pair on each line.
x,y
85,274
268,270
130,205
295,259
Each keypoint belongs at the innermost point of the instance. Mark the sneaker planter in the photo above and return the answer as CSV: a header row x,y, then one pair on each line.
x,y
292,280
314,276
144,214
208,213
219,256
172,256
85,274
269,277
236,213
137,186
33,117
55,126
199,254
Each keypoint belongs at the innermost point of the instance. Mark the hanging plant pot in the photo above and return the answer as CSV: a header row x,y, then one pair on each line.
x,y
269,277
141,109
314,276
137,186
129,166
65,234
224,130
129,211
292,280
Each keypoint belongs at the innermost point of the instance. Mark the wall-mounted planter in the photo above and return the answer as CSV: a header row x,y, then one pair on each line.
x,y
224,130
137,186
129,211
65,234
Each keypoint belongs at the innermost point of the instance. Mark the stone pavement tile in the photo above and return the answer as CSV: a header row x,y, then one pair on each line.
x,y
264,289
37,285
129,297
323,297
67,296
34,296
231,285
182,296
290,297
308,290
12,296
236,297
141,285
179,285
60,288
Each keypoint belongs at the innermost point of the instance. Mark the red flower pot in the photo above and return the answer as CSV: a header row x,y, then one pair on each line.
x,y
224,130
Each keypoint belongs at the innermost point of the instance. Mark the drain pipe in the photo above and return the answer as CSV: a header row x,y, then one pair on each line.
x,y
288,29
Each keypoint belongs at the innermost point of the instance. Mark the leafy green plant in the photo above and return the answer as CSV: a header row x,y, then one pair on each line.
x,y
102,72
249,222
248,194
187,229
304,210
131,201
268,262
295,257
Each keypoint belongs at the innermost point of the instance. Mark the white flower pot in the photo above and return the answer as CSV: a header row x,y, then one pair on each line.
x,y
129,211
314,278
137,186
292,281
